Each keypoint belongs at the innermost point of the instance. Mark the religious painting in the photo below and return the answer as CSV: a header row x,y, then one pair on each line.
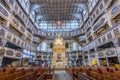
x,y
59,56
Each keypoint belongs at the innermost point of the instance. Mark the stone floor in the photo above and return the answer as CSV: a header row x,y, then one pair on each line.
x,y
61,75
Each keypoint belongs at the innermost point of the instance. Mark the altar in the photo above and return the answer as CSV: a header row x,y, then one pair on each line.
x,y
59,59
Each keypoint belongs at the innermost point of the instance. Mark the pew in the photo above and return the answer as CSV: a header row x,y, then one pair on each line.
x,y
98,76
83,77
42,77
22,73
94,73
70,72
28,76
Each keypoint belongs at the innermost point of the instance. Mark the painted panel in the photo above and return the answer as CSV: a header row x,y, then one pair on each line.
x,y
115,9
99,24
3,11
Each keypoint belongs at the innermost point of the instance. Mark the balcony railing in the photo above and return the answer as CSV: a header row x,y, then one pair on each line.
x,y
107,53
41,33
19,27
4,3
3,11
11,53
17,37
100,37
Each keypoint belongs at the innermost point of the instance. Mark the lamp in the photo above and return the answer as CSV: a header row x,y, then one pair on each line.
x,y
58,21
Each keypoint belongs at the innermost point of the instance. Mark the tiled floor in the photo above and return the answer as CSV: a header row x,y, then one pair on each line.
x,y
61,75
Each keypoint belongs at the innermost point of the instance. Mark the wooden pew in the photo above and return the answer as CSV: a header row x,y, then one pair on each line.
x,y
83,77
98,73
28,76
43,76
16,73
98,76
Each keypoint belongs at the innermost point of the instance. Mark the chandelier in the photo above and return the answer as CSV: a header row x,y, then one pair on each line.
x,y
59,45
59,23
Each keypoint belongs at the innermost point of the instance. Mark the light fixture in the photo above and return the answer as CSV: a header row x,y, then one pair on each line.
x,y
58,21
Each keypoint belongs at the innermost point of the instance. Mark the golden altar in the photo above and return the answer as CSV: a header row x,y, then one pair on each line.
x,y
59,63
59,60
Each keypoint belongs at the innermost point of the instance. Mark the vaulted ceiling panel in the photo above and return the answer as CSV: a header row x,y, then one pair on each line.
x,y
58,8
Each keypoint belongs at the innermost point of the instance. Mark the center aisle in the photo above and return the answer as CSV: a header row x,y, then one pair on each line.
x,y
61,75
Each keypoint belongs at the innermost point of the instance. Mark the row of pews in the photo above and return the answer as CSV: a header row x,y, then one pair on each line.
x,y
94,73
25,73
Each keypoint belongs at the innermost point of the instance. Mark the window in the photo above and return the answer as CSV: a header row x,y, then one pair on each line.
x,y
25,5
92,4
28,54
52,26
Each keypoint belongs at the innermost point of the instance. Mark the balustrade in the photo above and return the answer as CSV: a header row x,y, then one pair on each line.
x,y
13,38
105,37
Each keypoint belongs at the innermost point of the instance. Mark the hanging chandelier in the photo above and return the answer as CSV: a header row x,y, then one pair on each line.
x,y
59,23
59,45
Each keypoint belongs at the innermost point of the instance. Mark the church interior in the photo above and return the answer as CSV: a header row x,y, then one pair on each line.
x,y
59,39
